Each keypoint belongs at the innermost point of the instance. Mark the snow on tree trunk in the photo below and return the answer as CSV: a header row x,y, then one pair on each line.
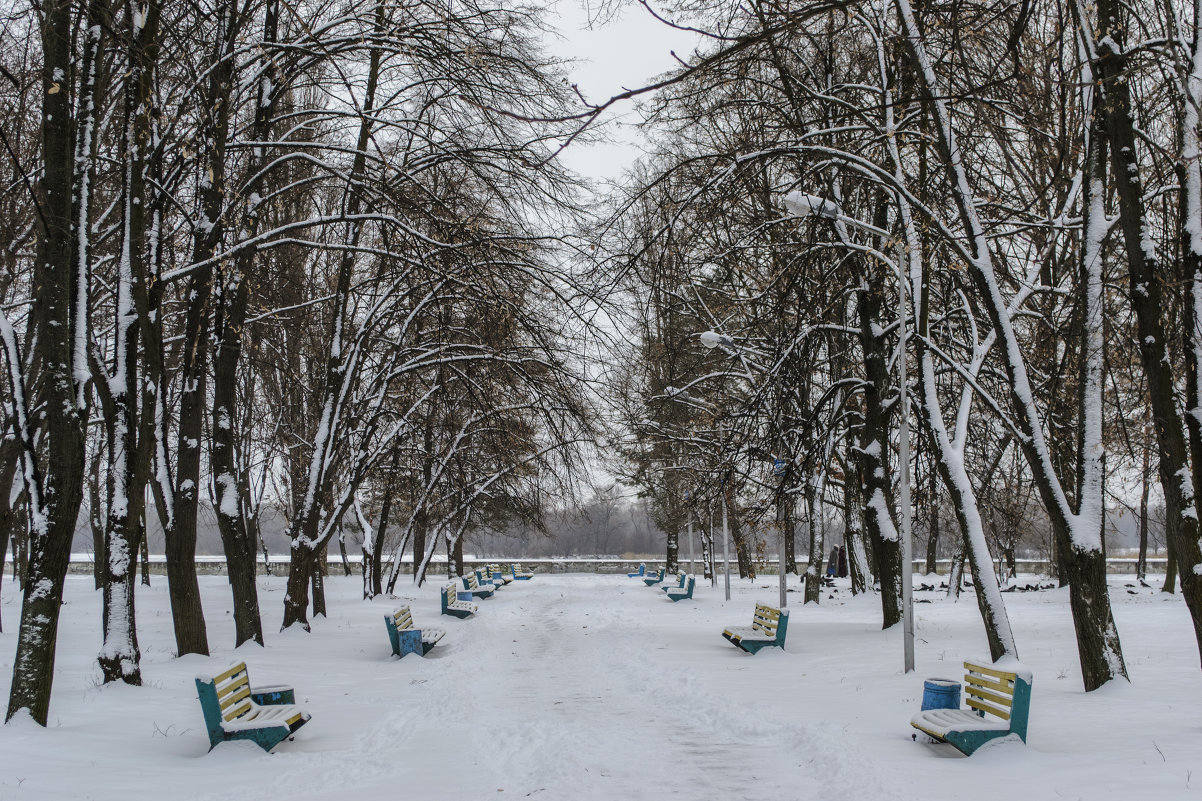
x,y
873,454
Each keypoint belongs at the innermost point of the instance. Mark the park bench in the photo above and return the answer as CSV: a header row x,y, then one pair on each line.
x,y
681,593
654,579
456,601
768,627
483,579
472,584
233,711
680,580
999,700
405,638
519,573
642,571
496,573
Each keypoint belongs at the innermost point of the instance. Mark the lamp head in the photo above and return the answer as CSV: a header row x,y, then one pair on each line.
x,y
712,339
799,204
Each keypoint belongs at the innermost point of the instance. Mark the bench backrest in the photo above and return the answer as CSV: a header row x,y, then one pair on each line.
x,y
470,582
1000,693
233,692
769,621
402,619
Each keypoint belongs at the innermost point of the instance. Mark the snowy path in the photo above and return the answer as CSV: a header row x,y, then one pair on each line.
x,y
592,689
595,687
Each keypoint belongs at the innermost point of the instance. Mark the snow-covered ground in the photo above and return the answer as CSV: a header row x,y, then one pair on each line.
x,y
597,687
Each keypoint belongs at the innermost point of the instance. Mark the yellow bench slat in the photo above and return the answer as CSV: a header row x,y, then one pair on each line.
x,y
226,699
220,677
989,671
233,713
996,686
981,706
994,698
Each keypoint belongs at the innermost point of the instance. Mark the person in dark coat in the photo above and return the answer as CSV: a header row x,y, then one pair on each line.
x,y
841,570
832,564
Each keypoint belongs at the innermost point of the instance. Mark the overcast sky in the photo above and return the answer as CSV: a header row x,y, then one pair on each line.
x,y
623,53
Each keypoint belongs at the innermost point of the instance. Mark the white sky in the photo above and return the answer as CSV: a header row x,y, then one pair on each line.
x,y
623,53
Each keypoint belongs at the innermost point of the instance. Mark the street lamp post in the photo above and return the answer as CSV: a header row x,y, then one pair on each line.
x,y
692,552
725,541
799,204
780,470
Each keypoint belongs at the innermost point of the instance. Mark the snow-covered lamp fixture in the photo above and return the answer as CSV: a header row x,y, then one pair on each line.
x,y
712,339
799,204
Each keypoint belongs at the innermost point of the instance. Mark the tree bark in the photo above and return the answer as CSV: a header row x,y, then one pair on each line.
x,y
237,537
1146,277
877,498
815,529
933,525
59,312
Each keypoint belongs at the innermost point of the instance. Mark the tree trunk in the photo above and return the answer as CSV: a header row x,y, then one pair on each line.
x,y
853,532
672,551
1170,570
318,576
877,501
346,561
8,511
1097,639
955,574
59,312
1145,486
814,527
191,634
96,519
933,525
237,539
